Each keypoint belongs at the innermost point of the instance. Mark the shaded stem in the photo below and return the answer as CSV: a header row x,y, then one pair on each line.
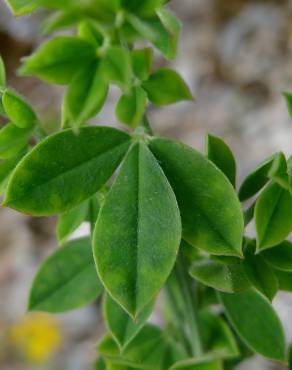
x,y
190,307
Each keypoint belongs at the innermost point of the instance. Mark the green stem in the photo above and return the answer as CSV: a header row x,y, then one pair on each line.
x,y
177,317
146,125
91,215
190,308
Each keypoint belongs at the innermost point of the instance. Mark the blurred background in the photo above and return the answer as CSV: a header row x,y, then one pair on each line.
x,y
236,55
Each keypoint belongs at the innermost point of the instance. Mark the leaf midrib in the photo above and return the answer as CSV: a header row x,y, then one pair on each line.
x,y
138,229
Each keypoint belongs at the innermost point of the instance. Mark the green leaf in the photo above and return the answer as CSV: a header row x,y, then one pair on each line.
x,y
137,233
2,73
65,169
153,30
66,280
206,362
114,366
279,171
172,25
290,358
220,276
116,67
280,256
142,60
144,8
58,60
211,213
86,95
69,221
217,336
100,364
6,168
261,275
89,31
60,20
120,325
13,140
131,107
17,110
165,86
146,350
284,279
256,180
22,7
288,97
273,216
256,322
221,155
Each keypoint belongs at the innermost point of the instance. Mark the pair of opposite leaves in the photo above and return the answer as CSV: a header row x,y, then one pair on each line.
x,y
138,231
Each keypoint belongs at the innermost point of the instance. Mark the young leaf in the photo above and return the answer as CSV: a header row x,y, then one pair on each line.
x,y
165,86
273,216
100,364
131,107
249,213
144,8
153,29
279,171
22,7
58,60
288,97
17,110
137,233
220,276
13,140
120,324
211,213
206,362
2,73
255,321
66,280
280,256
221,155
261,275
86,95
116,67
171,24
217,336
142,60
65,169
147,349
69,221
256,180
6,168
60,20
88,31
284,279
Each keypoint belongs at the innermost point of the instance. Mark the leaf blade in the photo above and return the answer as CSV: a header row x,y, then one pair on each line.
x,y
220,276
120,324
211,214
88,158
58,60
139,197
165,86
66,280
221,155
256,322
273,216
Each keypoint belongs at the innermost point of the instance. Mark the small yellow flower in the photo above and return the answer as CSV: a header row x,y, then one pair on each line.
x,y
36,336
